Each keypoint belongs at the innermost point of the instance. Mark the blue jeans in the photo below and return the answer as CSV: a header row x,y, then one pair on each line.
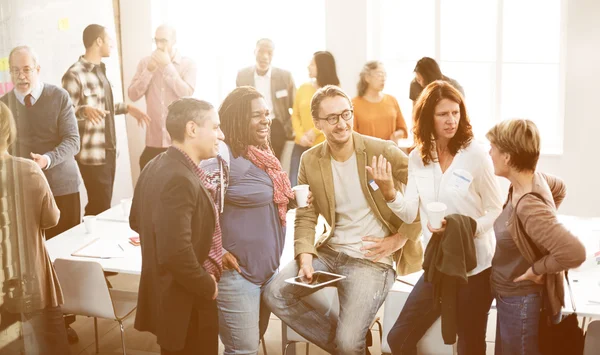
x,y
295,162
360,294
518,324
243,316
419,314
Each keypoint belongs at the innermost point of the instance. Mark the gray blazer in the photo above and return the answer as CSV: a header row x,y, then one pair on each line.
x,y
49,127
281,80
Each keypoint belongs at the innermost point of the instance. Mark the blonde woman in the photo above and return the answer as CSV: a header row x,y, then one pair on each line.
x,y
533,248
30,292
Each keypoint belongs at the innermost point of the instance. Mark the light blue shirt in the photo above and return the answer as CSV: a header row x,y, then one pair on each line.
x,y
36,92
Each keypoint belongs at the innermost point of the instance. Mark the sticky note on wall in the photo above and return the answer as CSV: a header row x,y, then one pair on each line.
x,y
4,64
63,24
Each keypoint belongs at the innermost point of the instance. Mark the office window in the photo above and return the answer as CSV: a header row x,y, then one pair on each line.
x,y
507,55
221,36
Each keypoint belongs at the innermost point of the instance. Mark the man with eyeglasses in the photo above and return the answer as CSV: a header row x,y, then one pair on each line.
x,y
365,236
92,97
46,132
277,87
162,78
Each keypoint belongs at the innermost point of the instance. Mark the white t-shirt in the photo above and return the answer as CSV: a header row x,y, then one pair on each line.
x,y
468,187
262,83
354,218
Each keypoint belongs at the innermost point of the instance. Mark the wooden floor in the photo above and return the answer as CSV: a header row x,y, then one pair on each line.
x,y
143,343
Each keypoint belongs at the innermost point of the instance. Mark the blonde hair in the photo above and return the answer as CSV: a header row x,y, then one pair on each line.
x,y
520,139
8,130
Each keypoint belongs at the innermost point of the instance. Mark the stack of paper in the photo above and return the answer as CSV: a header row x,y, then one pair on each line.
x,y
102,249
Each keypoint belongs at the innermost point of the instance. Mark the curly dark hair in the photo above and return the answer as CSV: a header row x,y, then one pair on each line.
x,y
235,114
423,120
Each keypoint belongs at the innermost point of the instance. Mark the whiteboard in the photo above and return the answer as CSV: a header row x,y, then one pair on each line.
x,y
54,29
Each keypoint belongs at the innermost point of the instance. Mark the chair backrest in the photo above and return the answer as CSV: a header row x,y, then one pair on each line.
x,y
592,339
84,288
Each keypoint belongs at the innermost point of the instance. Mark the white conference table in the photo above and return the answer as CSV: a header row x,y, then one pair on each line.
x,y
110,225
113,225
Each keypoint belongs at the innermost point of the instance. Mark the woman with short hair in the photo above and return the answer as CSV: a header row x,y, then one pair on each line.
x,y
533,249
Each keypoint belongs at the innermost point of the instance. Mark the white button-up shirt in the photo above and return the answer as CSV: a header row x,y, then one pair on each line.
x,y
262,83
468,187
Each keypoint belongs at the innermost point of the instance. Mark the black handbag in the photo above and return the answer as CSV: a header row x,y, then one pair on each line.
x,y
563,338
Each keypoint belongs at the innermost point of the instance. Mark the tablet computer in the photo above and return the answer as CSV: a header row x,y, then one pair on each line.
x,y
319,279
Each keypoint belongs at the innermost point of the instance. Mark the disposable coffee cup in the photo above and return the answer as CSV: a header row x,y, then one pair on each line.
x,y
90,224
436,211
301,192
126,206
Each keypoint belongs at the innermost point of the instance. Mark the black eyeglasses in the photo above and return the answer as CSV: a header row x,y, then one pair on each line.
x,y
333,119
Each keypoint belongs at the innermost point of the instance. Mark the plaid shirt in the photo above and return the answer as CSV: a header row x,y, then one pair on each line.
x,y
86,89
214,263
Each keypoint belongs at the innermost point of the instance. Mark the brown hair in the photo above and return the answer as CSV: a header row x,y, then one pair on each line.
x,y
520,139
8,129
321,94
423,120
362,85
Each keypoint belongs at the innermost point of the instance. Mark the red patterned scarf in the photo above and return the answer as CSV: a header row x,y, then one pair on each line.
x,y
214,263
282,190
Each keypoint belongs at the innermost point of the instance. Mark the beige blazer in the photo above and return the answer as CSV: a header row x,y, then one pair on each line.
x,y
315,171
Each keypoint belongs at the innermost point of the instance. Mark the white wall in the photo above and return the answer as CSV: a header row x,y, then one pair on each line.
x,y
579,164
137,31
35,23
350,28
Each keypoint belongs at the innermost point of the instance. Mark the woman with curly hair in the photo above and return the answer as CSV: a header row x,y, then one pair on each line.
x,y
448,166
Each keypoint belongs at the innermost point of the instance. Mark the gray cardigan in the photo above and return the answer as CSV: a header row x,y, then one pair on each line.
x,y
49,127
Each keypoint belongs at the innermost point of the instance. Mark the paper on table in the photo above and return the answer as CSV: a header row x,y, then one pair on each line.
x,y
101,248
113,215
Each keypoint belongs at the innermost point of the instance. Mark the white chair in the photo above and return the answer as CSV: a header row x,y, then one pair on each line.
x,y
325,301
592,339
86,293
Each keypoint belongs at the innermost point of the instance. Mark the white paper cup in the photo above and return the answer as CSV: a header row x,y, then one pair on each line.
x,y
436,211
90,224
126,206
301,192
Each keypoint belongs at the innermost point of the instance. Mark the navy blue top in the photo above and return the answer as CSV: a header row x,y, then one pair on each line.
x,y
250,223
